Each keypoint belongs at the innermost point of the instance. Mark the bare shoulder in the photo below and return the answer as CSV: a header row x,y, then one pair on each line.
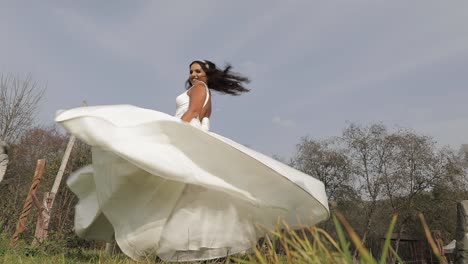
x,y
197,89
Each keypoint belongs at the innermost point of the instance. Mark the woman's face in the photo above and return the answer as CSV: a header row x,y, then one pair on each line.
x,y
197,73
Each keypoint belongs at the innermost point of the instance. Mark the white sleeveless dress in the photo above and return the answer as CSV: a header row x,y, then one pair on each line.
x,y
182,105
163,187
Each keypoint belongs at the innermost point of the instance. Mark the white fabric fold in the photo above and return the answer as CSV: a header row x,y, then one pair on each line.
x,y
173,190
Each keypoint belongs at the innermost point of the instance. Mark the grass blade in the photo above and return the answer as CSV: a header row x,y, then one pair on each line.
x,y
388,239
396,255
431,241
356,240
343,242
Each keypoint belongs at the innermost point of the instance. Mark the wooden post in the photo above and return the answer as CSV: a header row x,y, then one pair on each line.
x,y
42,225
44,211
110,248
20,227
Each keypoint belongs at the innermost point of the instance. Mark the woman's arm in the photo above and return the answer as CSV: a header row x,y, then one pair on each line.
x,y
197,98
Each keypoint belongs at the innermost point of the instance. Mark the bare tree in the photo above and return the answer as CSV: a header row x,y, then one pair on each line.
x,y
369,152
19,98
372,172
322,160
417,167
396,170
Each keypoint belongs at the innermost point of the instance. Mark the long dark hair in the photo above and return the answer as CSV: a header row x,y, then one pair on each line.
x,y
219,80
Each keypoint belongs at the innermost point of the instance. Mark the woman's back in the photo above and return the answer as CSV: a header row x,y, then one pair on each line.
x,y
183,103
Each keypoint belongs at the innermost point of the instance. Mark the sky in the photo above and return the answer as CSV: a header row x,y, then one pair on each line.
x,y
315,66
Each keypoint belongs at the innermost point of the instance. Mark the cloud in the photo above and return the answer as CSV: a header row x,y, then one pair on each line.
x,y
452,132
324,61
282,122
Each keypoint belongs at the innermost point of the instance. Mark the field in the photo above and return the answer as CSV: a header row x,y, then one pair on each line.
x,y
282,245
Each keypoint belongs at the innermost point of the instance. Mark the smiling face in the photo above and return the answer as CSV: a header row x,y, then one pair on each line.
x,y
197,73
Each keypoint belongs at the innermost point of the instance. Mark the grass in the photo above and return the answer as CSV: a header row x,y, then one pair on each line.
x,y
281,245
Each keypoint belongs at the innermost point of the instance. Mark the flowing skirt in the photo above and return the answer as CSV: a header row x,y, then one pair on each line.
x,y
163,187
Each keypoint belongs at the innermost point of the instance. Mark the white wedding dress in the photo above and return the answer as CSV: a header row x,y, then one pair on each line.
x,y
168,188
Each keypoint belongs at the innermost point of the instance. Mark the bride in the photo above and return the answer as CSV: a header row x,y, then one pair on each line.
x,y
165,185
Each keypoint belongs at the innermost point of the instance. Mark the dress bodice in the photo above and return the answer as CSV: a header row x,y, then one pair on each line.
x,y
182,105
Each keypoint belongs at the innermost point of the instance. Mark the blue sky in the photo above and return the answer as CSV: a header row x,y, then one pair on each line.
x,y
315,65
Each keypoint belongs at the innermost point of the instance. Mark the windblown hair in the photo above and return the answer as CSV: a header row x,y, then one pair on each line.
x,y
223,81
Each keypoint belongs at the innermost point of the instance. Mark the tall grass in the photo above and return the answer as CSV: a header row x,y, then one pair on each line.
x,y
315,245
281,245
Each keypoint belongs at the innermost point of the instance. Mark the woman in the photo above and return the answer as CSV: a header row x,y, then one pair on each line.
x,y
195,104
169,188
